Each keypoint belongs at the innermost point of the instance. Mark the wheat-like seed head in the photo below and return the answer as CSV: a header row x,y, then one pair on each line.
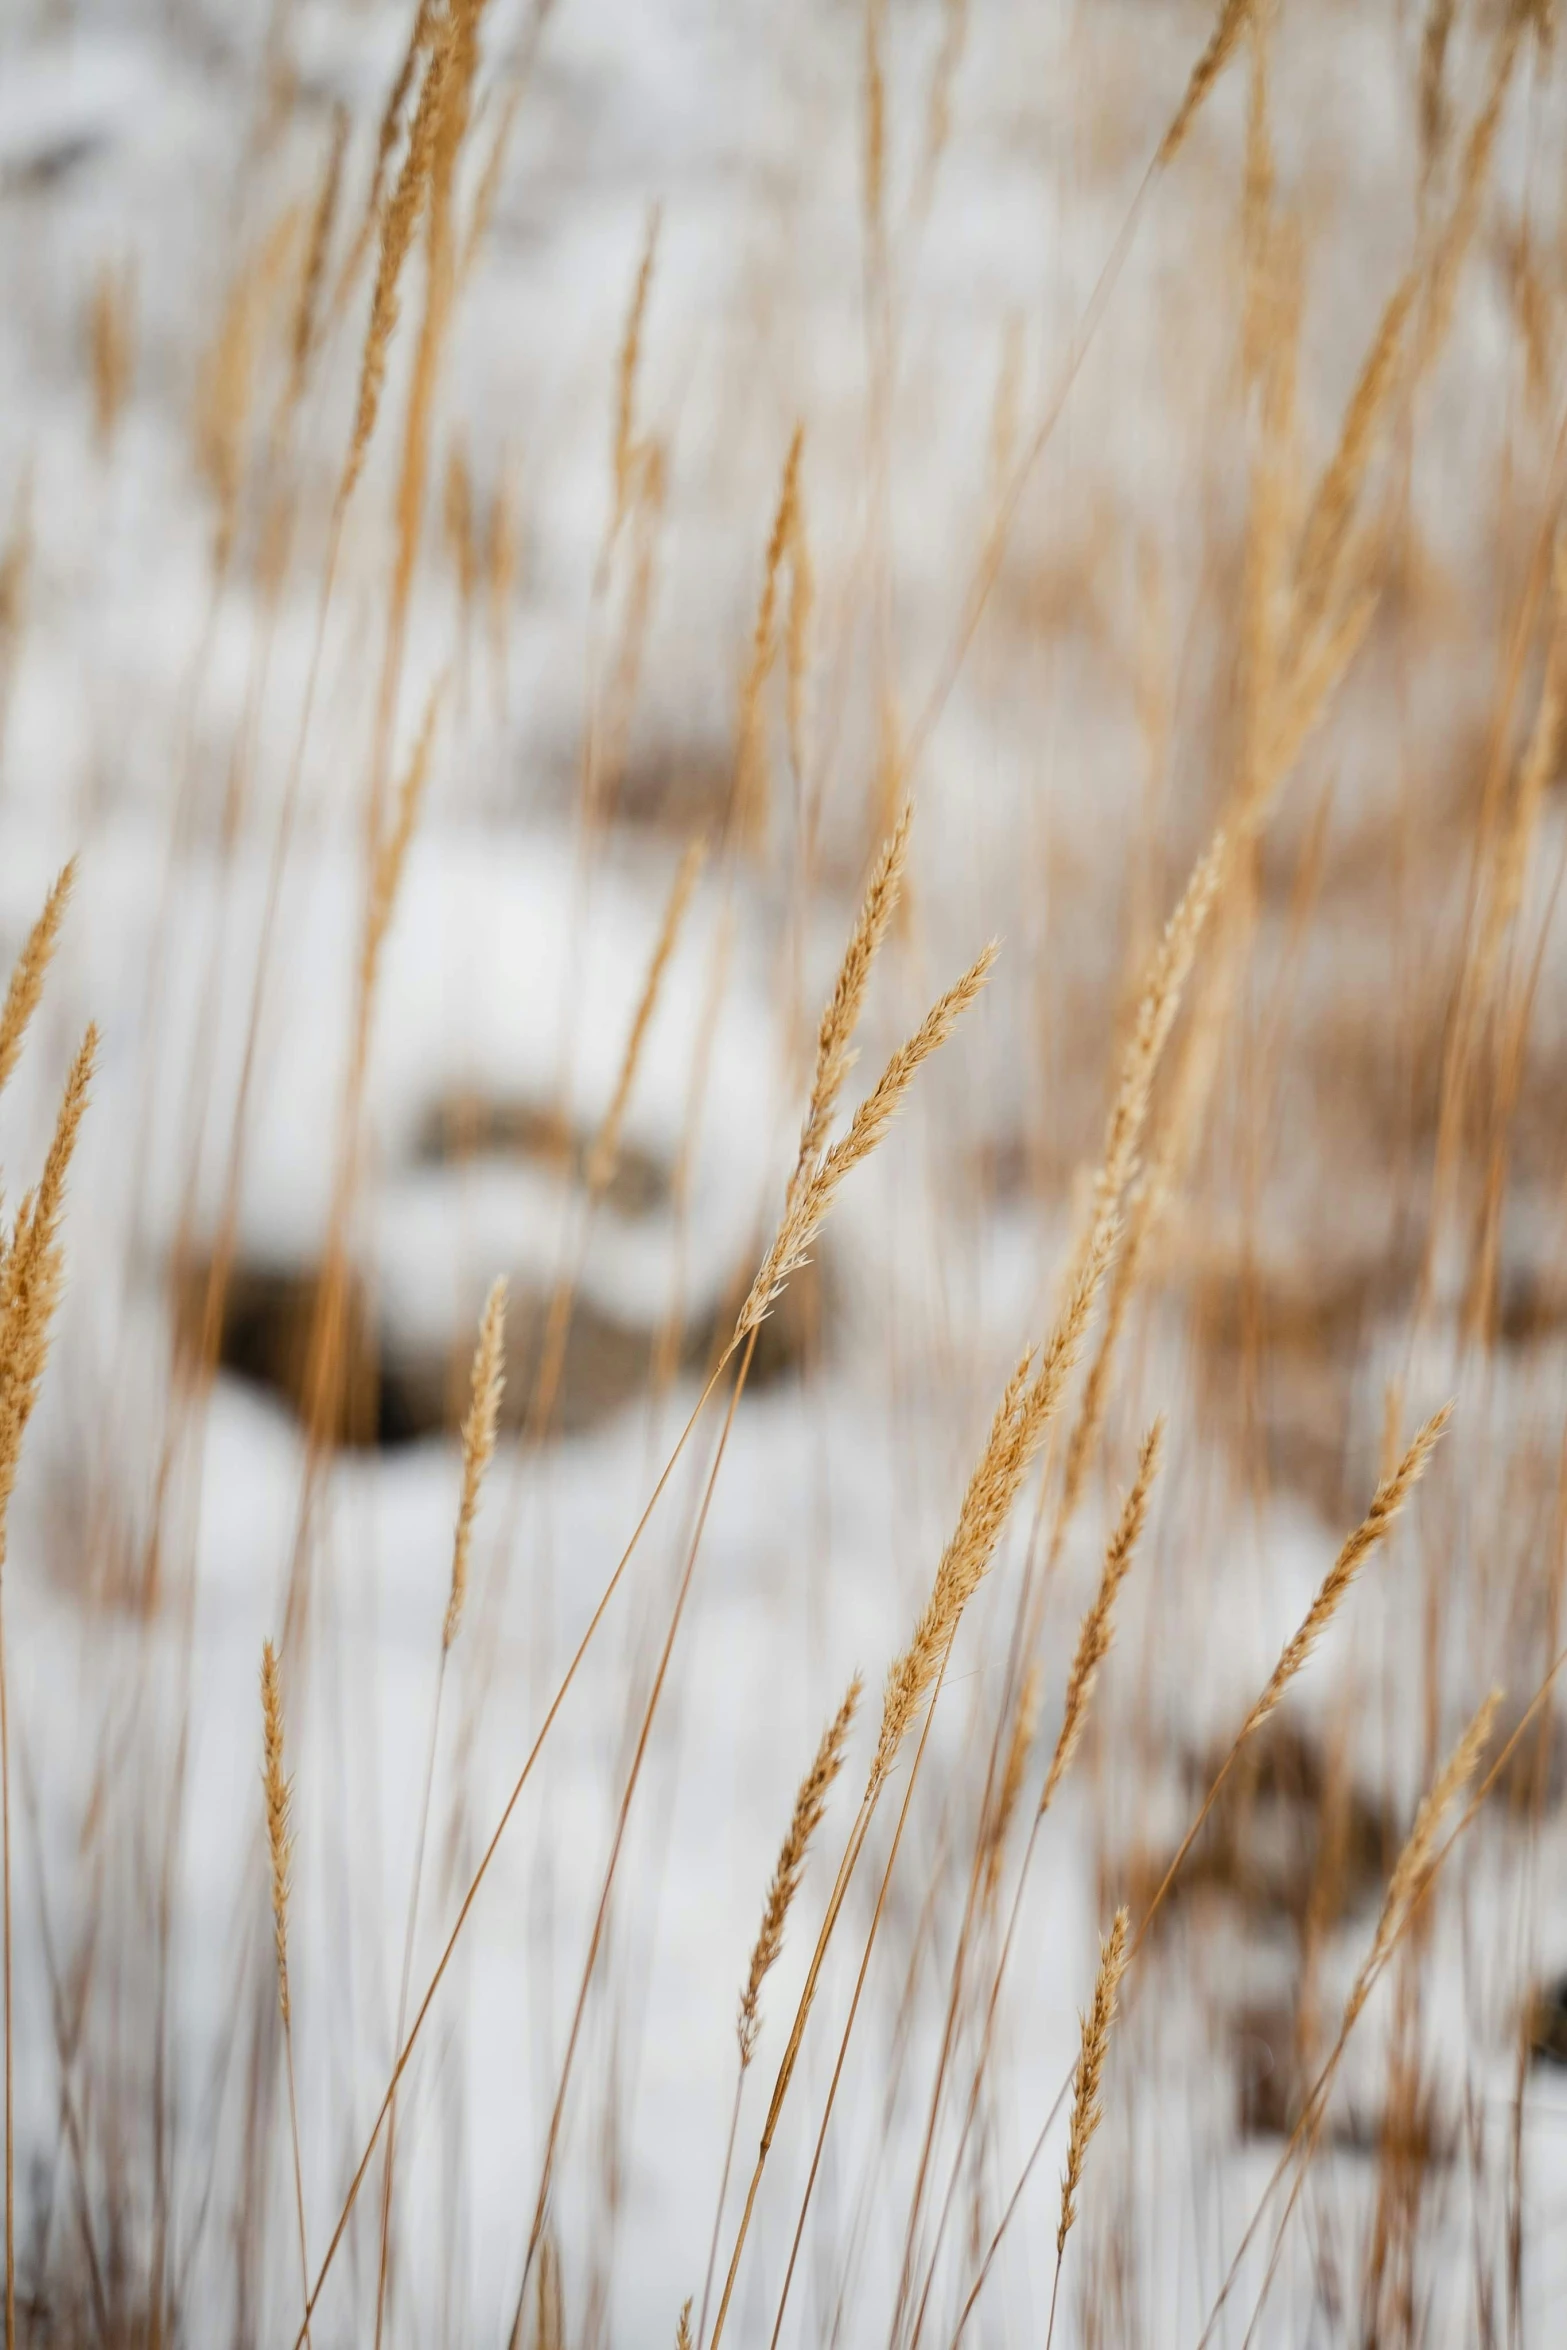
x,y
797,642
1155,1017
1386,1503
809,1805
812,1196
1320,562
840,1018
30,1278
1453,248
1098,1627
399,221
751,778
683,2327
278,1789
392,852
313,275
1229,26
1412,1869
478,1444
1027,1406
606,1146
623,456
1087,2111
27,975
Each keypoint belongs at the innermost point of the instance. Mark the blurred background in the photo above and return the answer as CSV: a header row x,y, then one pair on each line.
x,y
472,610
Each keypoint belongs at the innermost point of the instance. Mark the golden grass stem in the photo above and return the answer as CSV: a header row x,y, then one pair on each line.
x,y
1389,1498
1413,1874
1087,2111
475,1882
478,1446
552,2140
1093,1644
278,1789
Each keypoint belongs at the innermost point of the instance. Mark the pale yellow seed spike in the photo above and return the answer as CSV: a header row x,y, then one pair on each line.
x,y
751,793
1098,1627
812,1196
1087,2111
478,1444
398,225
1229,26
1386,1504
279,1795
606,1148
624,465
1412,1869
809,1805
27,976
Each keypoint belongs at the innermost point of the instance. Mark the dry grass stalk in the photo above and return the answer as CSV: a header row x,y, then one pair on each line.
x,y
111,348
312,276
1087,2110
279,1795
223,409
1098,1627
1228,28
391,124
392,855
30,1279
1377,1523
1413,1874
1257,221
29,970
751,793
31,1276
1412,1870
1320,562
500,563
804,1216
809,1805
1454,245
457,514
278,1791
1535,771
797,640
1434,38
835,1053
605,1153
399,222
938,105
683,2326
478,1444
1016,1434
1024,1723
875,123
623,455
